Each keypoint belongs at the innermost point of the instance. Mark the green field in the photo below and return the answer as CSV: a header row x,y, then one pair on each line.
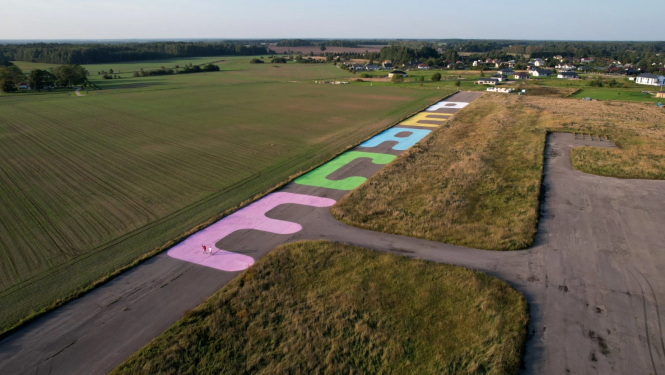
x,y
233,70
89,184
132,66
324,308
617,94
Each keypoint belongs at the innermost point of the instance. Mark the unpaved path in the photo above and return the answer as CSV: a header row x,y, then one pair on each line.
x,y
593,278
78,93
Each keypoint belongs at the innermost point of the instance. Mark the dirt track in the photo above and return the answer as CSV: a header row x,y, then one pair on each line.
x,y
593,278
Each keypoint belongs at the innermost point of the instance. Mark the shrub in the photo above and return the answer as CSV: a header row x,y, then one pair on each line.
x,y
256,61
278,60
397,78
436,77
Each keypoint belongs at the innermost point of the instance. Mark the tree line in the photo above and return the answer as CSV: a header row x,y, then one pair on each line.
x,y
61,76
95,53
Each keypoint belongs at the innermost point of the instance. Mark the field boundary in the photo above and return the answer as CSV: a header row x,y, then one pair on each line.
x,y
158,250
573,93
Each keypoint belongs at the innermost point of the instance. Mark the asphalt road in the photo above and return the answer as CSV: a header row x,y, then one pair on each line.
x,y
593,278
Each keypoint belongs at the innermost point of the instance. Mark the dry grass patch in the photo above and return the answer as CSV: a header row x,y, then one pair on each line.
x,y
476,182
556,92
320,307
637,128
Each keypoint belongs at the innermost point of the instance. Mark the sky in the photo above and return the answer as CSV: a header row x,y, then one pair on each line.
x,y
243,19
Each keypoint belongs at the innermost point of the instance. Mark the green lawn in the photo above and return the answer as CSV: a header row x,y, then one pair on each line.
x,y
618,94
119,173
325,308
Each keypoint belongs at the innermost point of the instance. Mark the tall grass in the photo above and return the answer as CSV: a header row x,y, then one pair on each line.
x,y
476,182
318,307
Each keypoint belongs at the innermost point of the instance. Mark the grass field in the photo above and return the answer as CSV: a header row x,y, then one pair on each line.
x,y
476,181
131,66
234,70
617,94
88,184
319,307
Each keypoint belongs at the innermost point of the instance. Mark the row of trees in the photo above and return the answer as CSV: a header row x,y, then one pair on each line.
x,y
178,70
62,76
94,53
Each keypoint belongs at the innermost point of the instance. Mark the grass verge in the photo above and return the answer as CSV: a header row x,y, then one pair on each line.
x,y
320,307
476,181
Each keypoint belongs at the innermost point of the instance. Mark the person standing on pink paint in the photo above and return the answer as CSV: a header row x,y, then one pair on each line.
x,y
204,248
211,251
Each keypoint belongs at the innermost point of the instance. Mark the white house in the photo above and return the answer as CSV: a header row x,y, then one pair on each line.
x,y
499,77
650,79
500,89
356,67
505,71
587,59
521,75
23,85
567,75
487,81
371,67
539,62
541,72
565,66
387,65
423,66
394,72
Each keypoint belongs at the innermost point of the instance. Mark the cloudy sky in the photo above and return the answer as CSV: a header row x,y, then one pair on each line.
x,y
474,19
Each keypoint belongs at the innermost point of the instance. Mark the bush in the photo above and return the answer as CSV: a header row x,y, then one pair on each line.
x,y
107,76
458,83
136,74
278,60
256,61
397,78
366,75
436,77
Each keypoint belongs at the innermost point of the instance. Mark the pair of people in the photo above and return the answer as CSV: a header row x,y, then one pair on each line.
x,y
204,249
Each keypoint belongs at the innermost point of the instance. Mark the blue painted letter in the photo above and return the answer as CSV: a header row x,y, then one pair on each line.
x,y
403,143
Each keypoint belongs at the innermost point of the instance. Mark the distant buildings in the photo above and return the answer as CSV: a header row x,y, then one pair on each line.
x,y
565,67
521,75
371,67
387,65
423,66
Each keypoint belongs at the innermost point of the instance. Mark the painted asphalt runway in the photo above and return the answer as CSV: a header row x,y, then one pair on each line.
x,y
592,279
